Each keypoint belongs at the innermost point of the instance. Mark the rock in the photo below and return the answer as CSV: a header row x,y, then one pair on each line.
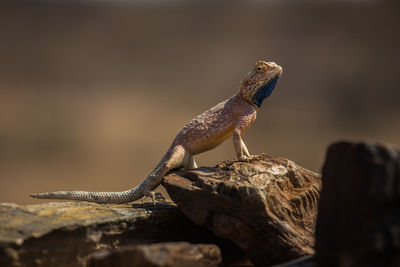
x,y
305,261
159,255
64,233
359,213
266,206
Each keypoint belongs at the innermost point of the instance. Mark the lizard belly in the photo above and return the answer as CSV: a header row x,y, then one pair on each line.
x,y
209,142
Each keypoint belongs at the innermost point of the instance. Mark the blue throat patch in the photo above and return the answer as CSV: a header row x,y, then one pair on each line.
x,y
264,91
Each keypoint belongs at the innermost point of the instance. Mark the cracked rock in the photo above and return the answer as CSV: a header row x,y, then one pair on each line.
x,y
267,206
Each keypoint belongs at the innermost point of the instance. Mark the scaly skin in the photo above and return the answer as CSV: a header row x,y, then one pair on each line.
x,y
231,117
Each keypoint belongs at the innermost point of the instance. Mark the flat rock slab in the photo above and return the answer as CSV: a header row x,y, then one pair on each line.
x,y
64,233
359,212
267,206
180,254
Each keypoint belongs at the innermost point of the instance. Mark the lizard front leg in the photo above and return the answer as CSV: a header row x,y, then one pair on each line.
x,y
242,153
244,122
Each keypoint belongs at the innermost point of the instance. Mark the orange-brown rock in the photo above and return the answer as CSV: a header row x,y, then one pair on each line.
x,y
267,206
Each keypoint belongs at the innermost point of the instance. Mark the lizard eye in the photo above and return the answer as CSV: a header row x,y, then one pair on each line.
x,y
258,68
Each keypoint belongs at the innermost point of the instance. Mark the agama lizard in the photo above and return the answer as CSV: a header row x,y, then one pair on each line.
x,y
231,117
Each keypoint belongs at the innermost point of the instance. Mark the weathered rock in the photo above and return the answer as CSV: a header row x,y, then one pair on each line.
x,y
359,213
64,233
267,206
180,254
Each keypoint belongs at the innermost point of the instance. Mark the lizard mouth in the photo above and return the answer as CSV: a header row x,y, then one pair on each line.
x,y
265,90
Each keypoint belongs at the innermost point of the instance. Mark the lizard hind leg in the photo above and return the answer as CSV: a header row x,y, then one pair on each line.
x,y
174,158
191,164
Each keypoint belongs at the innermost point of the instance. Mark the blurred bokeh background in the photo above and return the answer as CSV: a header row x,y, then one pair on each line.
x,y
93,92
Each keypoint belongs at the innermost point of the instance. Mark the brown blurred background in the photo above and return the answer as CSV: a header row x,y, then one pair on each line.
x,y
92,93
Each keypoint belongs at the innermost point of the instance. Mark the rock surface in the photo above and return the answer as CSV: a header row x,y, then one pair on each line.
x,y
305,261
180,254
64,233
359,214
267,206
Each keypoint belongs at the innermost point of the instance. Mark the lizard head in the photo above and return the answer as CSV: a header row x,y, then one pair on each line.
x,y
259,83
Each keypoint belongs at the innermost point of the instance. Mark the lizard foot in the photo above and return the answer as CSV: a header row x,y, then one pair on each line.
x,y
156,197
247,158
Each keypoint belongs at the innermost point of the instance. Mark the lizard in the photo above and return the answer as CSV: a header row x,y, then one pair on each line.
x,y
230,118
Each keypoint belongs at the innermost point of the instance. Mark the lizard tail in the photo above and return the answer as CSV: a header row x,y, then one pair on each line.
x,y
172,159
96,197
